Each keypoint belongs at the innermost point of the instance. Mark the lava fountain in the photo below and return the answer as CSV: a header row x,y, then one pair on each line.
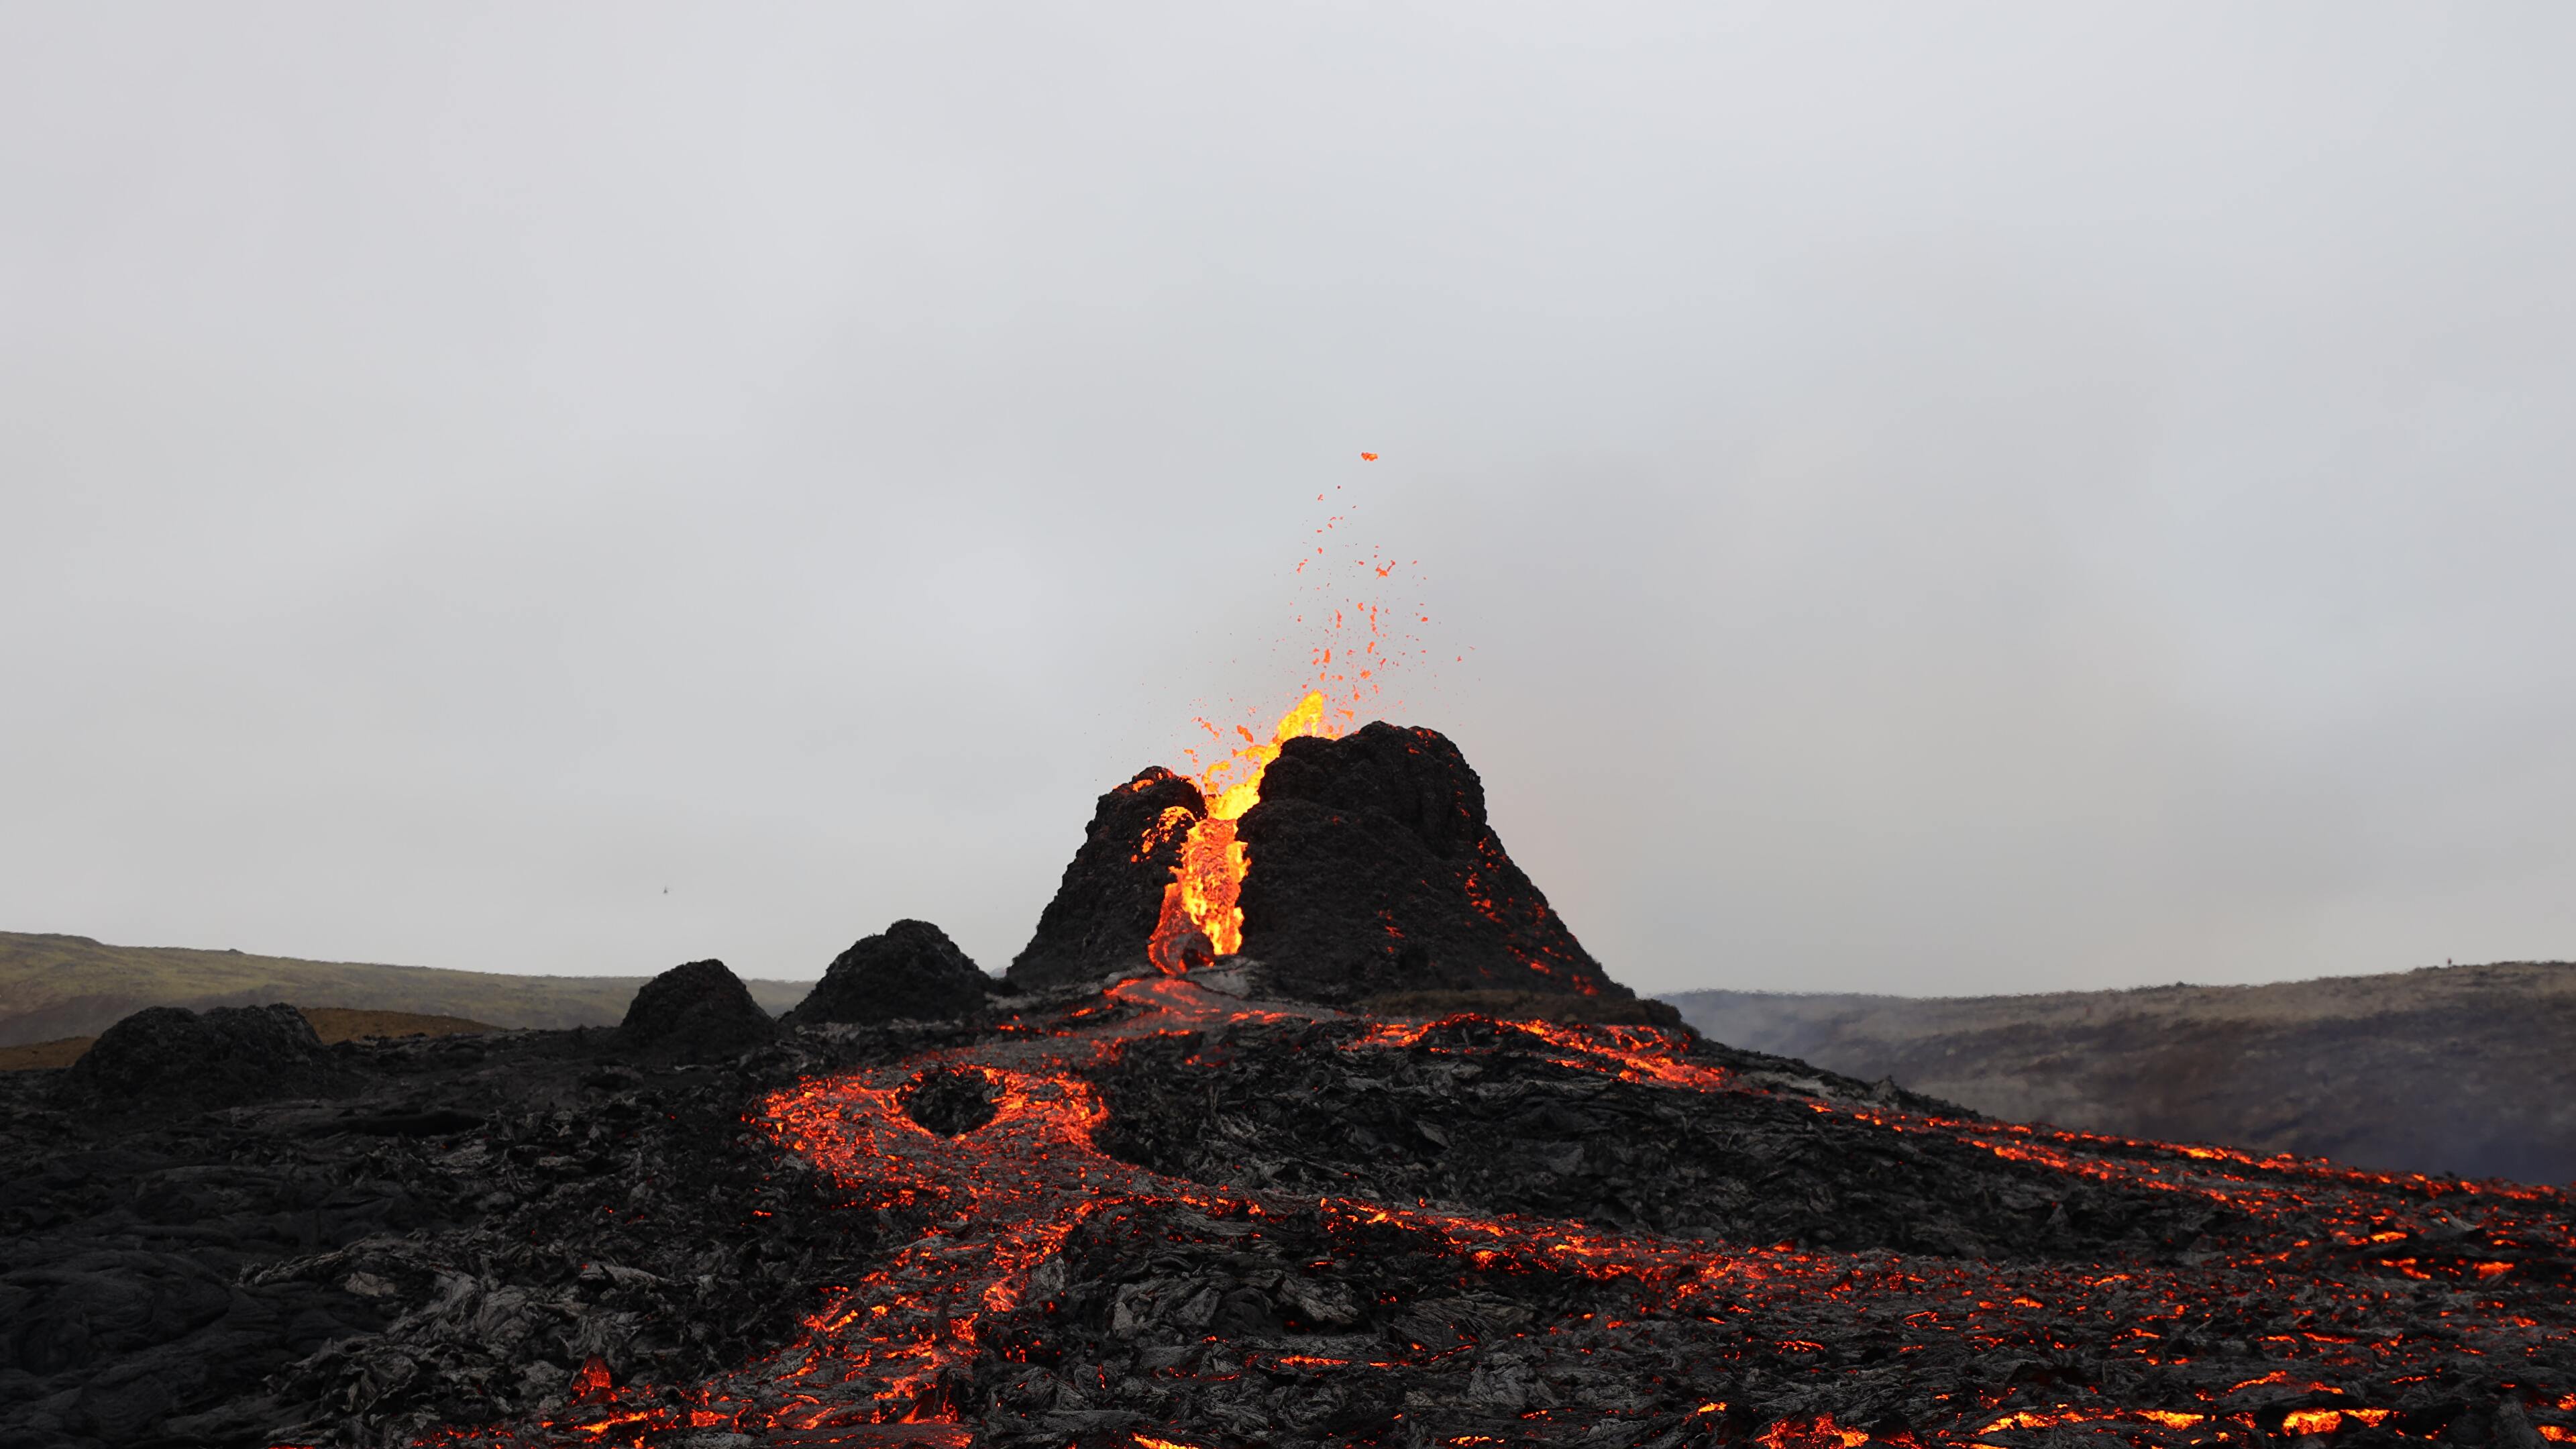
x,y
1202,915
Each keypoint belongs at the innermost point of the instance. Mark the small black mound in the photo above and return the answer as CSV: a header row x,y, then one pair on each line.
x,y
695,1012
950,1101
1112,893
171,1056
1373,870
913,972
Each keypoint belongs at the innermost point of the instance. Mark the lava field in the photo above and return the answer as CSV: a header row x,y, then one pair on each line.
x,y
1219,1204
1170,1213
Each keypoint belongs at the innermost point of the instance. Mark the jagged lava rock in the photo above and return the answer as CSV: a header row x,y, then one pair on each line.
x,y
169,1055
951,1100
1373,869
699,1010
1105,909
910,972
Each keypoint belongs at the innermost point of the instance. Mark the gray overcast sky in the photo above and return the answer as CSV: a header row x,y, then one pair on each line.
x,y
1930,498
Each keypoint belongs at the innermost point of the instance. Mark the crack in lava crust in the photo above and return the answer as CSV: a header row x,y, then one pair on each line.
x,y
891,1358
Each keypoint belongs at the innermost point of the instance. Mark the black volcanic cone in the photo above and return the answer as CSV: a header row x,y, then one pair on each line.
x,y
1112,894
911,972
171,1056
698,1011
1373,870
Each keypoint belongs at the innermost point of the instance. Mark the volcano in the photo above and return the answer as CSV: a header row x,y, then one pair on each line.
x,y
1204,1171
1362,866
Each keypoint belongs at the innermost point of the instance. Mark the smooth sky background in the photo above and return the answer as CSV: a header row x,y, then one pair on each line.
x,y
1918,498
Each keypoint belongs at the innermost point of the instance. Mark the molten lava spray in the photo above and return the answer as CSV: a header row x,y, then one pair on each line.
x,y
1356,636
1201,902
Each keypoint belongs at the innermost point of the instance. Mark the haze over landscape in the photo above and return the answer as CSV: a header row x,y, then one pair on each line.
x,y
1904,502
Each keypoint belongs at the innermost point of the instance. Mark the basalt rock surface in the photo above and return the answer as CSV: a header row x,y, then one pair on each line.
x,y
1463,1236
950,1101
470,1228
909,972
168,1057
1475,1119
696,1012
1373,869
1176,1213
1105,908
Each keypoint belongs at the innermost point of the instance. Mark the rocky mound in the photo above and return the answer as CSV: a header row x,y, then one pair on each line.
x,y
695,1012
910,972
1105,908
170,1057
1373,869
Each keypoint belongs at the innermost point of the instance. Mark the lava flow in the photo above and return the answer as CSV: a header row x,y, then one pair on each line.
x,y
1072,1240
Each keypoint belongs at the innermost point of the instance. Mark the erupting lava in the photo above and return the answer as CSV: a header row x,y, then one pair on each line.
x,y
1200,903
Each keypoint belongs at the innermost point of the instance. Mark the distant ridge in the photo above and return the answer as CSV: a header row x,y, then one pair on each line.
x,y
53,987
2466,1069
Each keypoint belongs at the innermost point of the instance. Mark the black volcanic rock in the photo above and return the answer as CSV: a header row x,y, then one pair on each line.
x,y
290,1273
951,1101
911,972
1534,1137
1105,909
1258,1231
170,1056
1373,870
700,1010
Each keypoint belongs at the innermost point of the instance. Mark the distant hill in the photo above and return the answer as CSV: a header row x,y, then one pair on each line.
x,y
330,1023
52,987
2466,1069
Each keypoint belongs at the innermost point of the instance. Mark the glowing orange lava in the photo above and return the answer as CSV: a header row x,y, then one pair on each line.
x,y
1355,637
1206,886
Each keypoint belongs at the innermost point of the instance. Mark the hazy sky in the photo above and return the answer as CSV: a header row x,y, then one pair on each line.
x,y
1929,498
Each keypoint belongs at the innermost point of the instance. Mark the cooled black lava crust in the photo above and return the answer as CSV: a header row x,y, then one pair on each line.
x,y
449,1242
461,1237
1474,1119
